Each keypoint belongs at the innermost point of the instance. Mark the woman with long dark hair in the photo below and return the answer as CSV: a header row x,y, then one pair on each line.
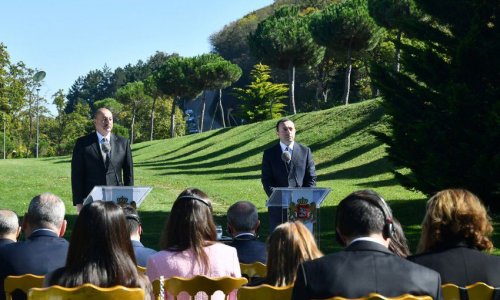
x,y
188,243
100,251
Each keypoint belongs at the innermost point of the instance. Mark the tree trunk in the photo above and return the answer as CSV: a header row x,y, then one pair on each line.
x,y
152,125
203,110
347,85
398,50
172,119
291,92
221,109
132,127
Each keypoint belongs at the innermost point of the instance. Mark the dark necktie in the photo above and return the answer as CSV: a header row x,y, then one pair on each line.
x,y
106,149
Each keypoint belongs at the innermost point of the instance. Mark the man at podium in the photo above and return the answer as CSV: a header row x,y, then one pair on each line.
x,y
100,158
286,164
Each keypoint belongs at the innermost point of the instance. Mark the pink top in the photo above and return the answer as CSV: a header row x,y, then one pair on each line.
x,y
223,261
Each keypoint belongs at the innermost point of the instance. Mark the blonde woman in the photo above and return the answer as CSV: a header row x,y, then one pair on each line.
x,y
456,233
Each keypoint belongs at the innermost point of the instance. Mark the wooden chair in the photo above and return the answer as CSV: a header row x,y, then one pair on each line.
x,y
478,290
22,283
141,270
265,291
375,296
86,291
175,285
256,269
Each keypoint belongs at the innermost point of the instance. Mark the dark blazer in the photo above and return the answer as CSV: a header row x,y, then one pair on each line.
x,y
4,242
141,253
302,172
461,265
249,249
362,268
88,168
40,254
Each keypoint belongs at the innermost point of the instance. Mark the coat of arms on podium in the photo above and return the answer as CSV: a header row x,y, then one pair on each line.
x,y
303,210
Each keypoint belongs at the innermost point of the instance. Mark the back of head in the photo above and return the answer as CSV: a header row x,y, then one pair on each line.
x,y
9,222
100,250
455,215
132,217
361,214
289,245
46,211
190,224
243,217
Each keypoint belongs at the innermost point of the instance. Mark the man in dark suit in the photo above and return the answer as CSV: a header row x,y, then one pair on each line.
x,y
364,225
9,227
243,224
100,158
44,249
286,164
134,227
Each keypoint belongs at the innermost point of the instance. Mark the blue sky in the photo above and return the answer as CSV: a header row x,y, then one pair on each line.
x,y
68,38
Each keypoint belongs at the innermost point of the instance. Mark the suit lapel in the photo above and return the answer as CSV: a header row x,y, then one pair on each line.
x,y
97,148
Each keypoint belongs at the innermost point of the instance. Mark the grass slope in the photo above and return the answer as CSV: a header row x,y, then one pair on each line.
x,y
225,163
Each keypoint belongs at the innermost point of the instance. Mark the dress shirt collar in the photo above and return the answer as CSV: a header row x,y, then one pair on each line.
x,y
100,137
366,238
244,236
283,146
42,231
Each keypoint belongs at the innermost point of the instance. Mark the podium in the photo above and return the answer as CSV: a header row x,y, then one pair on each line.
x,y
133,195
301,204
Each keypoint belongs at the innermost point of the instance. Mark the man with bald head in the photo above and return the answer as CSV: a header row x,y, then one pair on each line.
x,y
9,227
100,158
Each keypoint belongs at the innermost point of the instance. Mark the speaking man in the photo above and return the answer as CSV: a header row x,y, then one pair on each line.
x,y
286,164
100,158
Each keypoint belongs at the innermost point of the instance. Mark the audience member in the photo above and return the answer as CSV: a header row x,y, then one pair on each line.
x,y
455,230
9,227
289,245
134,227
243,224
44,249
364,225
100,251
189,245
398,243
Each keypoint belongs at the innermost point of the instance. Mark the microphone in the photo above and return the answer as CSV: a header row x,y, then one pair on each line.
x,y
286,158
106,148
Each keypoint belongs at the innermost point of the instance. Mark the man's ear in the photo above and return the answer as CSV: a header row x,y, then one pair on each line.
x,y
230,229
62,231
257,226
139,230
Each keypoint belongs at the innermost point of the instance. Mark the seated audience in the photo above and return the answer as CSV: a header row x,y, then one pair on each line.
x,y
100,251
189,246
398,243
134,227
456,233
9,227
289,245
364,226
243,224
44,249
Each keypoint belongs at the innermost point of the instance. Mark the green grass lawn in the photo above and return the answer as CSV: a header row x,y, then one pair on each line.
x,y
225,164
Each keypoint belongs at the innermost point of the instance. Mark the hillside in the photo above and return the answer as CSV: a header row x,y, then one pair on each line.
x,y
225,163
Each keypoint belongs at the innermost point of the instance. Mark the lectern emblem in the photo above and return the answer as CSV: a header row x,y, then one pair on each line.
x,y
303,210
122,200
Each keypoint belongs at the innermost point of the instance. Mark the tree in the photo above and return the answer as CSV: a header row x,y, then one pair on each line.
x,y
285,41
261,99
444,106
96,85
133,97
344,27
221,74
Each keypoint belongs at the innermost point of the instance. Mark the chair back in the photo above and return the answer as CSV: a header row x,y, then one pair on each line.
x,y
86,291
141,270
256,269
478,290
265,291
375,296
22,283
175,285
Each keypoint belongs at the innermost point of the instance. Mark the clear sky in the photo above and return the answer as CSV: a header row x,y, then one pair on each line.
x,y
69,38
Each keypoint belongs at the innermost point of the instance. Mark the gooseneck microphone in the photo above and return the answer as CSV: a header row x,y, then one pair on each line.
x,y
286,158
106,148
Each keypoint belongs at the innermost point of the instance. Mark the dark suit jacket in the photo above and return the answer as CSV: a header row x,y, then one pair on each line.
x,y
249,249
362,268
40,254
4,242
302,172
88,169
462,265
141,253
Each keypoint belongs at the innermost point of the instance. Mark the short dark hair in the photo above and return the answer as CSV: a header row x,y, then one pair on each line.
x,y
132,217
357,216
243,216
282,120
46,210
9,222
